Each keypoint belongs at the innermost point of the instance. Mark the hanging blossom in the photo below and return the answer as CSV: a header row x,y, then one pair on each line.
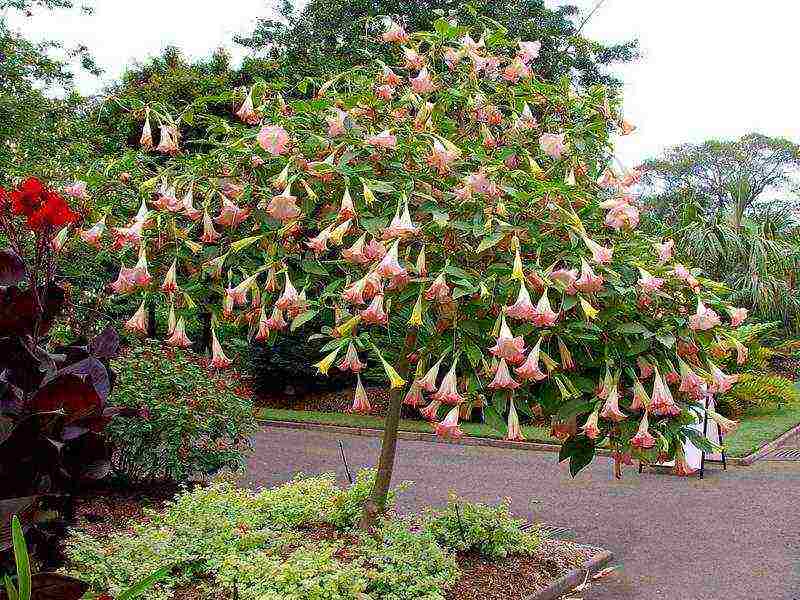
x,y
356,253
600,254
648,282
685,275
641,401
704,318
691,383
231,215
514,433
448,390
664,250
179,339
589,282
507,346
361,403
390,265
552,144
738,315
567,278
247,113
92,236
441,158
591,429
374,313
276,322
138,322
401,225
283,207
449,428
643,438
428,382
170,284
529,370
502,378
544,315
610,410
395,34
423,83
662,401
289,296
218,358
168,143
522,309
146,140
720,382
210,235
439,291
351,361
187,205
413,397
383,140
274,139
319,243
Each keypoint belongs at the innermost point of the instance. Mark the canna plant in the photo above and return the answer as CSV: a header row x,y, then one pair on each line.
x,y
451,218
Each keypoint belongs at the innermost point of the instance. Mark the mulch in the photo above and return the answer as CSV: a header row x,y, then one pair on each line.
x,y
786,366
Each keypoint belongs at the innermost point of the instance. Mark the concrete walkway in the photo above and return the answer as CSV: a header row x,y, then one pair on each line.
x,y
731,536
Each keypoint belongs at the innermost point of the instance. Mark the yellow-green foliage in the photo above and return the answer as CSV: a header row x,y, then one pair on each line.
x,y
759,390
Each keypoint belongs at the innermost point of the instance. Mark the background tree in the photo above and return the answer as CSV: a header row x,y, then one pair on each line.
x,y
41,117
327,36
732,207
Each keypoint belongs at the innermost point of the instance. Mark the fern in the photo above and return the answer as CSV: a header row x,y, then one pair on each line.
x,y
759,390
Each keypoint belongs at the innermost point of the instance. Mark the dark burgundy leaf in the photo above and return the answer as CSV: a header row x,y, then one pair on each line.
x,y
27,460
18,310
52,586
11,401
12,267
94,371
87,457
18,365
71,393
105,345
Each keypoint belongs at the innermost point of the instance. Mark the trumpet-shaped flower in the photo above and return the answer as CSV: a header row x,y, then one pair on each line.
x,y
738,315
210,235
544,315
530,370
431,411
502,378
138,322
231,215
179,339
319,243
449,428
247,113
643,438
591,429
350,361
274,139
720,382
390,265
262,335
552,144
684,275
289,296
514,432
664,250
507,346
336,122
691,383
218,358
374,250
141,275
356,253
170,284
92,236
441,158
324,365
187,205
146,139
361,403
276,322
374,313
662,400
448,389
725,425
600,254
704,318
529,51
428,382
401,225
523,308
384,140
640,398
438,291
395,34
610,410
414,396
648,282
423,83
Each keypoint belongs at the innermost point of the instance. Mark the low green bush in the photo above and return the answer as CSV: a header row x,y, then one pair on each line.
x,y
190,422
490,531
271,544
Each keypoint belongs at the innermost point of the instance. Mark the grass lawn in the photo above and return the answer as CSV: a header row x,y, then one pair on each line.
x,y
757,427
532,434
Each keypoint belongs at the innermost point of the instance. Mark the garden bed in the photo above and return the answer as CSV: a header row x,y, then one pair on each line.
x,y
302,534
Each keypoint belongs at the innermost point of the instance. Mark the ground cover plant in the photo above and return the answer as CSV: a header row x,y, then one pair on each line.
x,y
458,192
297,540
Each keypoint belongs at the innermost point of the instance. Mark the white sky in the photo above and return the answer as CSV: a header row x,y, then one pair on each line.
x,y
710,68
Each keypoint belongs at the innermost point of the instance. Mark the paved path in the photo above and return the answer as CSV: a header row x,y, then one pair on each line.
x,y
732,536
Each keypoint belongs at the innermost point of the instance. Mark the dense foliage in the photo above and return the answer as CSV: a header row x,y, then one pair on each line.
x,y
188,423
270,544
445,196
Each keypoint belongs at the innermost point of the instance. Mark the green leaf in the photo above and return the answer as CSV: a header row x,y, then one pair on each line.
x,y
313,267
11,591
301,320
493,419
666,339
489,242
574,407
145,584
632,328
580,450
473,353
22,559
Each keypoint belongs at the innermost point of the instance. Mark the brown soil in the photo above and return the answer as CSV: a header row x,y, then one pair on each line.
x,y
517,577
788,367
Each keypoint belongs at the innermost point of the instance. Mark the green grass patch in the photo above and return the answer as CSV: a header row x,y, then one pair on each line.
x,y
757,427
532,434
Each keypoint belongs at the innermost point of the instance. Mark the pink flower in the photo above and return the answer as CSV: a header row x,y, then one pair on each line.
x,y
428,382
552,144
210,235
589,282
590,428
452,57
77,190
92,236
382,140
138,322
336,122
522,309
170,284
126,281
514,433
355,254
374,250
283,207
274,139
704,318
684,275
413,59
246,112
361,403
567,363
431,412
502,378
645,368
691,383
276,322
128,235
350,361
395,34
389,77
439,291
507,346
640,398
146,140
231,215
440,158
600,254
643,439
390,265
682,468
664,250
663,403
141,275
610,410
384,92
738,315
622,215
516,70
188,206
179,339
355,293
414,397
263,332
449,428
529,51
721,382
529,370
649,283
289,296
347,209
422,83
168,144
218,358
567,278
374,313
544,315
448,389
401,225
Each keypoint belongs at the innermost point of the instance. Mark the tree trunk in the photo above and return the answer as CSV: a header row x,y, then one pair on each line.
x,y
376,503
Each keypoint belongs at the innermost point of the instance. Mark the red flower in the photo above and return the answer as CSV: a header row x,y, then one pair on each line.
x,y
42,207
28,197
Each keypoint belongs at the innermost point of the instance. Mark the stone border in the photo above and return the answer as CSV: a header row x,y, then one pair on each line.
x,y
574,578
769,447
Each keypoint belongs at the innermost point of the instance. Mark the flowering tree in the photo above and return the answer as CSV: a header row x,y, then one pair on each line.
x,y
457,196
